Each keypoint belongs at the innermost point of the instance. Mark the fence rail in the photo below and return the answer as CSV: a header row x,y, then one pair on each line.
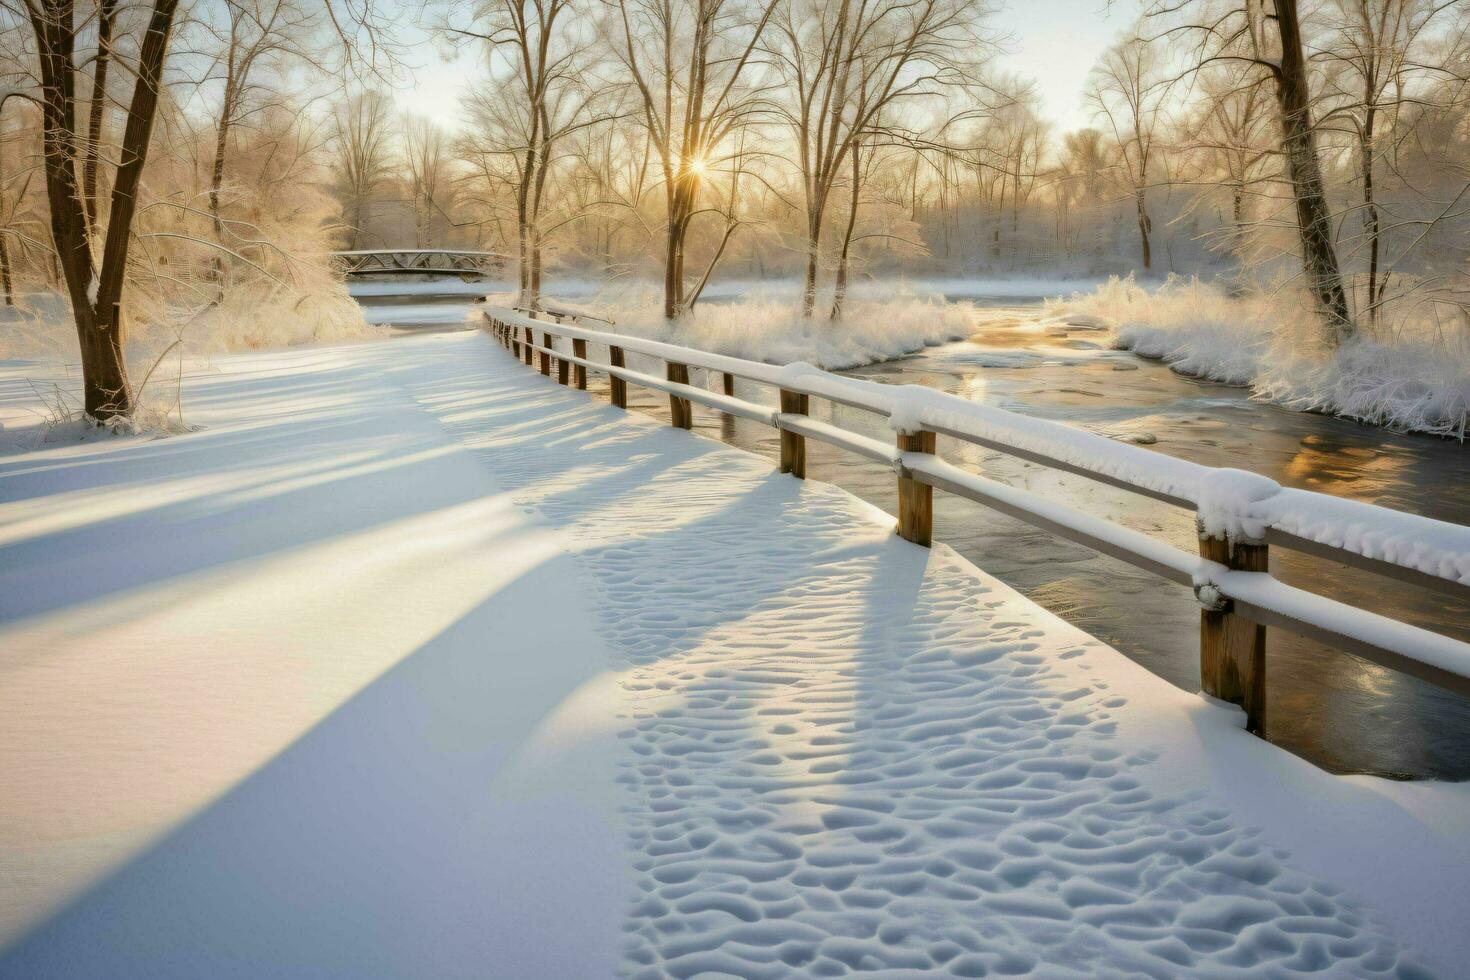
x,y
1239,516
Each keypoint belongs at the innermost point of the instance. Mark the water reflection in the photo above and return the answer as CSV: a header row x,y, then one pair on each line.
x,y
1342,713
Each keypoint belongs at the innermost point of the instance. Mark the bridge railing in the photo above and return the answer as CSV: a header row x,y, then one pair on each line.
x,y
417,261
1239,516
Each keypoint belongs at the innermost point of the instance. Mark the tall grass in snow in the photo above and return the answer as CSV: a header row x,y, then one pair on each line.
x,y
1413,375
763,325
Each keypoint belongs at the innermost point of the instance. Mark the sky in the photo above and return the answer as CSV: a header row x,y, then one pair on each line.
x,y
1053,42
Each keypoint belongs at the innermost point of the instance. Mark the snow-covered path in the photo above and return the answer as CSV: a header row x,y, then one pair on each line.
x,y
575,675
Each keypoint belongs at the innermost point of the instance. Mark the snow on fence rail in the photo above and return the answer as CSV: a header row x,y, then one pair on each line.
x,y
1239,514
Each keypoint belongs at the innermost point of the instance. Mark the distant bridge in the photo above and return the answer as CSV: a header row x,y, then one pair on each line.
x,y
419,262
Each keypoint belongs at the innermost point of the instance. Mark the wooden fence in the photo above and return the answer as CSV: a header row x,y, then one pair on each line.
x,y
1239,598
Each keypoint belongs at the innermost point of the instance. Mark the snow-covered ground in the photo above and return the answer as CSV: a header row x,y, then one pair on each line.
x,y
409,662
1413,375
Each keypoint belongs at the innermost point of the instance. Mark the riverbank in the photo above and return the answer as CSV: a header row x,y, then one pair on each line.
x,y
1415,379
442,632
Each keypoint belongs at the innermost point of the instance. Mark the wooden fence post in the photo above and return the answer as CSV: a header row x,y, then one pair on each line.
x,y
515,342
617,387
680,414
729,380
545,357
793,445
563,368
530,340
579,349
1232,649
915,499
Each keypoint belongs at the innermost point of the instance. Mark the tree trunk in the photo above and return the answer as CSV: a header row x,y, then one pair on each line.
x,y
523,216
1145,226
523,262
217,177
816,209
1371,219
105,388
106,15
356,223
221,141
535,279
671,272
111,395
5,282
839,290
1304,170
809,289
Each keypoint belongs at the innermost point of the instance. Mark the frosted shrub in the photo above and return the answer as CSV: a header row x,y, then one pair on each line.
x,y
193,292
764,326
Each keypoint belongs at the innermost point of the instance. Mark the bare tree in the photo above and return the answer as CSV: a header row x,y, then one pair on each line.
x,y
847,63
688,62
363,138
15,183
548,94
1267,34
1232,136
426,158
611,181
1128,89
255,36
1374,56
1076,183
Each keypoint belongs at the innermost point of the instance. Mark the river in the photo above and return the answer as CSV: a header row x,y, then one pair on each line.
x,y
1331,708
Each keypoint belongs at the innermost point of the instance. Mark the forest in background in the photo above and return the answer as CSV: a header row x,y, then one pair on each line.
x,y
185,194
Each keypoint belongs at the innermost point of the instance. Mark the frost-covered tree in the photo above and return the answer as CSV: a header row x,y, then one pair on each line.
x,y
847,64
1129,90
545,91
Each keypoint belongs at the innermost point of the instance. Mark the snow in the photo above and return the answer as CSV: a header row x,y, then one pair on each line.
x,y
289,664
482,676
1412,373
1229,501
1434,547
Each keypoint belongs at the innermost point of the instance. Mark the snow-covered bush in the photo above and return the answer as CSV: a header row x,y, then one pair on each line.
x,y
762,324
1413,375
260,278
